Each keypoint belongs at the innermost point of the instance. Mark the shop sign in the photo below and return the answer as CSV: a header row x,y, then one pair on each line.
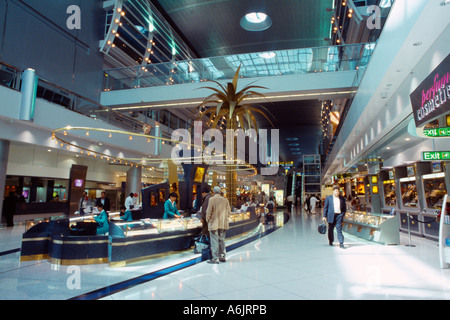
x,y
435,155
432,97
437,132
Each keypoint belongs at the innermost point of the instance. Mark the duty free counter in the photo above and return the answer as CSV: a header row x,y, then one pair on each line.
x,y
126,241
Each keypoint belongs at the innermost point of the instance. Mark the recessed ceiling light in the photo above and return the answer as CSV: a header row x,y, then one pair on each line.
x,y
291,139
293,144
418,43
256,21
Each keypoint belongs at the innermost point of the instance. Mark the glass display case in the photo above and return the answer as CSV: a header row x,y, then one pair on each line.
x,y
238,216
134,228
435,189
390,198
382,228
408,190
362,217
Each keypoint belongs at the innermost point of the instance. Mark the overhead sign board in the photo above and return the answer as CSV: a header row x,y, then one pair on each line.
x,y
437,132
432,97
436,155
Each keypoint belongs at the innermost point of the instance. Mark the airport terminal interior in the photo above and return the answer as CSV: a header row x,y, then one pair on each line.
x,y
120,120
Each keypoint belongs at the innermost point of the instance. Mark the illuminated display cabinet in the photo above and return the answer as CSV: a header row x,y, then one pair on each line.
x,y
381,228
74,241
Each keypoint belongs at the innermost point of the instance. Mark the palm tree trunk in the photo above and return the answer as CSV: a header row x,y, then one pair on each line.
x,y
231,174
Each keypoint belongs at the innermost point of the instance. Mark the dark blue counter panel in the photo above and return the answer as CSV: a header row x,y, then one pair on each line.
x,y
75,250
36,241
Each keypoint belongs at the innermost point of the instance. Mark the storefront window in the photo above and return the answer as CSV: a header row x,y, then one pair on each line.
x,y
390,198
434,185
409,193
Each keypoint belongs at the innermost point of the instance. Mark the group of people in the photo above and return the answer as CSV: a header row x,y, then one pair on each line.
x,y
103,205
311,203
215,210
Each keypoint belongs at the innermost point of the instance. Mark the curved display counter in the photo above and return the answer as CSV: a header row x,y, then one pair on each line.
x,y
73,241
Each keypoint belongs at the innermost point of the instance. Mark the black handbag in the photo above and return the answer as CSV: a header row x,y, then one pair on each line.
x,y
322,228
201,243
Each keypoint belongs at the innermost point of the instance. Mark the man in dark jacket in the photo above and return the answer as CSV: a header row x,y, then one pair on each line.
x,y
9,208
205,199
104,200
333,212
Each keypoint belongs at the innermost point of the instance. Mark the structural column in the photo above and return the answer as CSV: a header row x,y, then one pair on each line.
x,y
134,181
4,152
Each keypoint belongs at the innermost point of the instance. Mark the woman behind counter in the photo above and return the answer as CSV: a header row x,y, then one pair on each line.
x,y
102,220
170,207
125,214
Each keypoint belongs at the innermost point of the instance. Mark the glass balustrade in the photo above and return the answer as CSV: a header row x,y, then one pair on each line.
x,y
253,65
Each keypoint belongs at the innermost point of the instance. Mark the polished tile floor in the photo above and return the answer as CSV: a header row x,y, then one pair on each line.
x,y
294,262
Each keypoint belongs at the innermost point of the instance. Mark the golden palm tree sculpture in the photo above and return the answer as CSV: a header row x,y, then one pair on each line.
x,y
232,106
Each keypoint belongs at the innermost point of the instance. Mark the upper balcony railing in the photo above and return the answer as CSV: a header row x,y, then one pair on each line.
x,y
253,65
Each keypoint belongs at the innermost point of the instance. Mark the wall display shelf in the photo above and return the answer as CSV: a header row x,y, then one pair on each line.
x,y
444,234
381,228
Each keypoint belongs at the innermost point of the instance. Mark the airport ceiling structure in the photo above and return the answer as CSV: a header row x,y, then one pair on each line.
x,y
223,28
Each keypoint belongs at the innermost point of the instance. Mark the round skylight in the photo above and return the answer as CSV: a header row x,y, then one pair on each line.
x,y
256,21
256,17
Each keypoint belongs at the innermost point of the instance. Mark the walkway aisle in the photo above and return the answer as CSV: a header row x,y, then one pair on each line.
x,y
296,262
293,262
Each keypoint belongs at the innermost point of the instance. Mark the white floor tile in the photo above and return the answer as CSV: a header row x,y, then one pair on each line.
x,y
294,262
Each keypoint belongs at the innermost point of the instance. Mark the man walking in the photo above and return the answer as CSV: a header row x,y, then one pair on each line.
x,y
333,212
217,215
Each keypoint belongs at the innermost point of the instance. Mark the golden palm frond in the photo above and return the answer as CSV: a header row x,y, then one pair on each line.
x,y
229,103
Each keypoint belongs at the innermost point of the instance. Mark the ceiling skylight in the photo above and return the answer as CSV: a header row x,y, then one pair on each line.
x,y
256,17
256,21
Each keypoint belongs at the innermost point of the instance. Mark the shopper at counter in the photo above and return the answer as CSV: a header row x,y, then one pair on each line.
x,y
206,195
217,217
170,207
105,201
129,201
83,204
125,214
333,213
102,220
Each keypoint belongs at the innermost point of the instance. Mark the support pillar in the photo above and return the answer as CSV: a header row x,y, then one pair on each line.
x,y
134,181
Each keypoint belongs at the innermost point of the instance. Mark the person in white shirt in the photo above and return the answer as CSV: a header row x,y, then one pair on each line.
x,y
313,203
129,201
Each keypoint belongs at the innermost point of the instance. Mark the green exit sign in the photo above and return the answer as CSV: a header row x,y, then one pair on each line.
x,y
435,155
437,132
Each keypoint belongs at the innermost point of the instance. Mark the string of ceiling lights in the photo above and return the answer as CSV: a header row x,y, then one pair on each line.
x,y
59,134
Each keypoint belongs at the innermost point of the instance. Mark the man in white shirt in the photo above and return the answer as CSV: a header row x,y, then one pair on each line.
x,y
129,201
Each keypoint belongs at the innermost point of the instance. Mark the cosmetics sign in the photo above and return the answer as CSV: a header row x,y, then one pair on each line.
x,y
432,97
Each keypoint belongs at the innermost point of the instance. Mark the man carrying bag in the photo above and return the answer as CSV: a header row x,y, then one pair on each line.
x,y
333,212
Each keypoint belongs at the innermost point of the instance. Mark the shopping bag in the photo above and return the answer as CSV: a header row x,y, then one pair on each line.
x,y
201,243
322,228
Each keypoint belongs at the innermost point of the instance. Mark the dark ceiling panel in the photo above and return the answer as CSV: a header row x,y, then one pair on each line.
x,y
213,29
299,122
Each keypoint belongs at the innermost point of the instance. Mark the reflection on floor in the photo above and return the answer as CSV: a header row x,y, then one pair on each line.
x,y
293,262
